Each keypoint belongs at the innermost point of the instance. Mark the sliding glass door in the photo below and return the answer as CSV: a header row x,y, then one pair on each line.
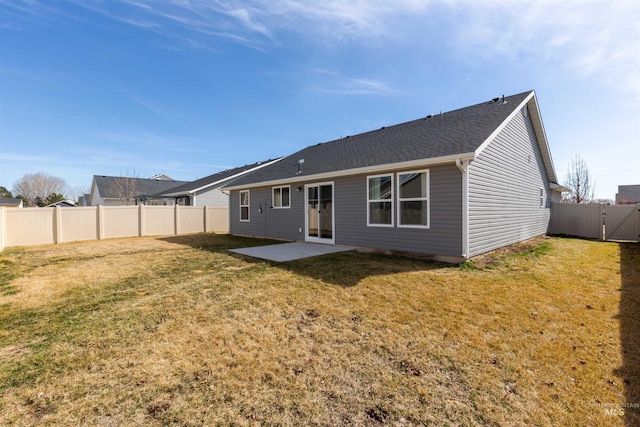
x,y
319,220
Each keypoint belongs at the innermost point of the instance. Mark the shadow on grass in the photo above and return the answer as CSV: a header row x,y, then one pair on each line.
x,y
630,330
344,269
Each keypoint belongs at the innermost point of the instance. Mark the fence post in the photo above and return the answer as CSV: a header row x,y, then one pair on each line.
x,y
57,224
603,230
176,218
141,220
204,208
3,228
100,221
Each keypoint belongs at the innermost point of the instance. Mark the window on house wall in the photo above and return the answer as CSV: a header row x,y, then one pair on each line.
x,y
244,205
380,200
542,204
281,197
413,199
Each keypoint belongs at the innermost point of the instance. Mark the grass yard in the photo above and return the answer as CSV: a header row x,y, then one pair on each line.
x,y
163,331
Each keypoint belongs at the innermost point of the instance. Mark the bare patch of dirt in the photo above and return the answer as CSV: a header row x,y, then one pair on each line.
x,y
494,257
14,350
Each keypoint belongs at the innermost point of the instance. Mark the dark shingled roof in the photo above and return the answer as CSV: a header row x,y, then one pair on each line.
x,y
216,177
144,186
454,132
11,202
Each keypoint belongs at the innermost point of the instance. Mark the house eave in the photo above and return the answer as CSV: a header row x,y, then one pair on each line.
x,y
358,171
560,188
220,182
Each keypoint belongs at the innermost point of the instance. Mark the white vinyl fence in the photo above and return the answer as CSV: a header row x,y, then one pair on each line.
x,y
596,221
42,226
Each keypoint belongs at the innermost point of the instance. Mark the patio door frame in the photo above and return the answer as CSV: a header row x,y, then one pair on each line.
x,y
319,239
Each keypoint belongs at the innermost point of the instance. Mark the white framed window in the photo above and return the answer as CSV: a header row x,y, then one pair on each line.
x,y
380,200
413,199
542,197
281,197
244,205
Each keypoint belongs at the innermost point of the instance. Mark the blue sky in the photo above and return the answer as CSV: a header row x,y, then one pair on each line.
x,y
191,87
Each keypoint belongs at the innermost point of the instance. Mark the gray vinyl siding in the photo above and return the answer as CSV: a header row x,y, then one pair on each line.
x,y
504,189
281,224
444,237
350,202
213,197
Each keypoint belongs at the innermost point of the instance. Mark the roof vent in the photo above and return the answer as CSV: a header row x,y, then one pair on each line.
x,y
383,128
499,99
429,116
300,162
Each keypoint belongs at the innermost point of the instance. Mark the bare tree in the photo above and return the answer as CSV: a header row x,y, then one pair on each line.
x,y
78,191
38,185
579,181
126,187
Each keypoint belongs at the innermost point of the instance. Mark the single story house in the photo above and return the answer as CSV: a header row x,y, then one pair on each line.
x,y
208,191
122,190
11,202
448,186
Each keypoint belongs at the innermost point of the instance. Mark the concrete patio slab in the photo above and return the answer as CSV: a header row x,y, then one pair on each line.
x,y
290,251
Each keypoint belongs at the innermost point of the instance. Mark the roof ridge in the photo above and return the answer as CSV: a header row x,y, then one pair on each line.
x,y
440,113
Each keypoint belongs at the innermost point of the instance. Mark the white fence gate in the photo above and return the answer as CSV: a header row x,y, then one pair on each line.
x,y
596,221
622,222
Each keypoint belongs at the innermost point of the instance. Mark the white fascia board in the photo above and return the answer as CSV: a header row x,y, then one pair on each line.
x,y
204,187
358,171
538,127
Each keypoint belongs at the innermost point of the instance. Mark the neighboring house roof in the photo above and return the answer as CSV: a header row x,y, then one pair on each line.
x,y
11,202
440,138
217,179
107,187
163,176
62,204
628,194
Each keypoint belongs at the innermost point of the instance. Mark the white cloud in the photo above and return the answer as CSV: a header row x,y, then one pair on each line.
x,y
353,86
332,82
583,37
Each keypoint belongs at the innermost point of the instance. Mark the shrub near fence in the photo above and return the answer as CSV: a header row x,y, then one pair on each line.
x,y
42,226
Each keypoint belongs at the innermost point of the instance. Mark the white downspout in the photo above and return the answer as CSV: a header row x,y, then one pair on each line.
x,y
464,168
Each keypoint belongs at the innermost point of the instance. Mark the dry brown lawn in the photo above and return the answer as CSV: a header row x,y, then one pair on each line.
x,y
178,331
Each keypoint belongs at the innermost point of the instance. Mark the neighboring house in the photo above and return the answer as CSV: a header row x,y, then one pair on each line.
x,y
11,202
161,177
208,190
448,186
115,190
83,200
62,204
628,194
